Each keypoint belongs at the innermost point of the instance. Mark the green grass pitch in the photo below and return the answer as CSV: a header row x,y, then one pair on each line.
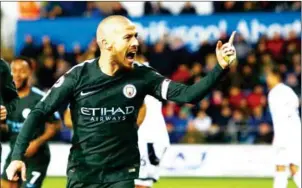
x,y
60,182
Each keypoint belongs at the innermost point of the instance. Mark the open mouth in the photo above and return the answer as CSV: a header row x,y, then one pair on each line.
x,y
130,56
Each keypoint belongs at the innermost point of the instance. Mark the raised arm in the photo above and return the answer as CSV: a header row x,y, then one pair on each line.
x,y
166,89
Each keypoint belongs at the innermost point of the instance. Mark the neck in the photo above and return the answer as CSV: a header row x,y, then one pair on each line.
x,y
107,65
24,92
273,85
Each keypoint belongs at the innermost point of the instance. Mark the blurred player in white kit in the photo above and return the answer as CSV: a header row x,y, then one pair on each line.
x,y
153,140
284,107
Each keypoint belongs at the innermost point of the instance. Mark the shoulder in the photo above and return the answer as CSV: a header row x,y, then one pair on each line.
x,y
283,90
144,69
80,67
4,67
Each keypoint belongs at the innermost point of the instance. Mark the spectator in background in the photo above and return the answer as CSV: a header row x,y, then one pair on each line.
x,y
249,77
237,128
219,127
45,74
204,105
180,53
170,105
261,47
228,6
160,58
215,104
29,10
265,134
47,52
182,74
76,54
293,42
268,6
210,62
255,98
174,126
196,73
256,118
46,43
180,126
242,48
233,78
62,54
61,67
155,8
249,6
251,60
188,8
92,10
235,97
205,49
223,117
65,8
275,46
29,50
148,8
202,122
296,6
118,9
291,80
265,60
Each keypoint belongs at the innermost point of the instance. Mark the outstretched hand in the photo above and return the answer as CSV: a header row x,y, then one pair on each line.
x,y
226,53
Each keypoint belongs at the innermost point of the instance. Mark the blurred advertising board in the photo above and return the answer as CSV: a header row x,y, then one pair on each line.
x,y
192,29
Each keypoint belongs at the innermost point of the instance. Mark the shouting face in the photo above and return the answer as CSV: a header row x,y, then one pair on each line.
x,y
117,36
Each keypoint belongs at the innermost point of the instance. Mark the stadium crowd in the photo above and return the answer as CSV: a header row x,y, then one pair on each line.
x,y
235,112
36,10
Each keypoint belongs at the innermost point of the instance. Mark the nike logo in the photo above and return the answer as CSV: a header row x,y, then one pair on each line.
x,y
132,170
87,93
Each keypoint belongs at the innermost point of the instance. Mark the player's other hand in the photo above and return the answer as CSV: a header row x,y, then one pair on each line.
x,y
226,53
3,113
13,169
32,148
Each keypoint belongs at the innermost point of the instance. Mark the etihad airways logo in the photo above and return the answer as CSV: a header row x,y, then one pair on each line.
x,y
107,114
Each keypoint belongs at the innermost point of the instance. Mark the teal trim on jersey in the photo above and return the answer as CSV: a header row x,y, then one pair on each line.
x,y
57,115
37,91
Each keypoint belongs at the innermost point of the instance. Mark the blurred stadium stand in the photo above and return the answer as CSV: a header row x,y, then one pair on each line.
x,y
235,112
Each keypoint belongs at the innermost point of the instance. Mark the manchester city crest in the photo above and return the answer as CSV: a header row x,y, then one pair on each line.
x,y
129,91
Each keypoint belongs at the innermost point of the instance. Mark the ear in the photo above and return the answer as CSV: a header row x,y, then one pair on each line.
x,y
106,44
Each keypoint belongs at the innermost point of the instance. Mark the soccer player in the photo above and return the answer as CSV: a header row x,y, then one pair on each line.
x,y
8,94
105,95
284,105
37,155
153,140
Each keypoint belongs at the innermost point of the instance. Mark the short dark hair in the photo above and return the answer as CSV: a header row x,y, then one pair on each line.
x,y
274,69
26,59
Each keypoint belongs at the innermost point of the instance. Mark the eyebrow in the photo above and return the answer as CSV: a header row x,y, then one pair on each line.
x,y
127,35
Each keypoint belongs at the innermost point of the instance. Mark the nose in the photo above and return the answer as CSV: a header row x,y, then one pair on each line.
x,y
134,43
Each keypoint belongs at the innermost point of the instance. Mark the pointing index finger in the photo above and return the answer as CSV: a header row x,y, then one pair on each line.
x,y
231,40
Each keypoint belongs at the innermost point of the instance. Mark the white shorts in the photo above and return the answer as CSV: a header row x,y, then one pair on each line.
x,y
148,173
286,155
